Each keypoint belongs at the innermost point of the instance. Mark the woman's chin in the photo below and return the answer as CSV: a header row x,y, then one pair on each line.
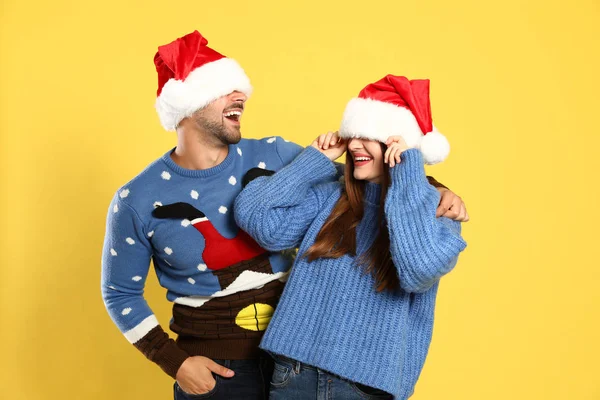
x,y
359,176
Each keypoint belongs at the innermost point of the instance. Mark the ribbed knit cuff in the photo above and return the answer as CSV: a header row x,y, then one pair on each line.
x,y
162,350
411,169
409,182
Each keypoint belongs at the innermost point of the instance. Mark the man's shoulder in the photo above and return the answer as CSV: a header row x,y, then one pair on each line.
x,y
141,182
265,142
281,149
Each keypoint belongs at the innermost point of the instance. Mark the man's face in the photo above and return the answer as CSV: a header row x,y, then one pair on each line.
x,y
222,118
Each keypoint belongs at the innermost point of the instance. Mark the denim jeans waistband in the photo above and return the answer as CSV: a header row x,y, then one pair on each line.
x,y
290,362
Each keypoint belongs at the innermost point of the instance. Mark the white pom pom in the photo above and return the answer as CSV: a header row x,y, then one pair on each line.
x,y
434,147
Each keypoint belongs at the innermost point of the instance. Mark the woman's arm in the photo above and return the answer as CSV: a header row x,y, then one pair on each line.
x,y
423,247
277,210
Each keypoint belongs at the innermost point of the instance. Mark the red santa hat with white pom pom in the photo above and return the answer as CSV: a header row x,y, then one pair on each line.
x,y
191,75
394,106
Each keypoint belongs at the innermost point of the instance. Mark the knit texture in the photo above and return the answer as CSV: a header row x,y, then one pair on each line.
x,y
198,251
330,315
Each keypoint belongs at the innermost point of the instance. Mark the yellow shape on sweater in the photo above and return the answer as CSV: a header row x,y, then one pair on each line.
x,y
255,317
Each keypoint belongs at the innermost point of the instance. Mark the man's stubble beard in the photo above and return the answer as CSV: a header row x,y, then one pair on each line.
x,y
218,130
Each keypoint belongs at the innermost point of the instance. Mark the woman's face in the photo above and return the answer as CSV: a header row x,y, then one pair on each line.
x,y
368,159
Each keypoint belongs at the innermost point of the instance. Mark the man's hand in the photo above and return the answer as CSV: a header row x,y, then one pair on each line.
x,y
195,375
330,144
451,206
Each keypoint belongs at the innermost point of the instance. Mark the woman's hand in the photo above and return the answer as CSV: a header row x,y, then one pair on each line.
x,y
330,144
396,146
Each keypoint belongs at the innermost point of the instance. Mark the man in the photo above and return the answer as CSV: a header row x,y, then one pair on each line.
x,y
178,213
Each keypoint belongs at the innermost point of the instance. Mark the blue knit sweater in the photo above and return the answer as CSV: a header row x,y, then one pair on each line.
x,y
330,315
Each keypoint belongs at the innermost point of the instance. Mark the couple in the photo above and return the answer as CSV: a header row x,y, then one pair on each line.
x,y
179,213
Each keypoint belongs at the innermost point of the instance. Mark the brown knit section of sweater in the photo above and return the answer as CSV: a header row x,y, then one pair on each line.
x,y
159,348
228,327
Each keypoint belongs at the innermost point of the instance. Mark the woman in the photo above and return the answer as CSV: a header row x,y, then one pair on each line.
x,y
356,316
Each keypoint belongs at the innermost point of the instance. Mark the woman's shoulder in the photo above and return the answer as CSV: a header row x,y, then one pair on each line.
x,y
329,190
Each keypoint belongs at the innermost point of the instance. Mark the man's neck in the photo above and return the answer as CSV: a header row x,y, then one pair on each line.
x,y
196,154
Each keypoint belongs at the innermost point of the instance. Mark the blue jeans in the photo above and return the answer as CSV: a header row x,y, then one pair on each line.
x,y
293,380
250,382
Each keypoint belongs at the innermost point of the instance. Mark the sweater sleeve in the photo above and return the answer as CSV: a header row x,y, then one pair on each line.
x,y
288,151
277,210
423,247
125,264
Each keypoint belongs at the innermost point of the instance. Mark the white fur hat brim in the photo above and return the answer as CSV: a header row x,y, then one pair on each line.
x,y
377,120
180,99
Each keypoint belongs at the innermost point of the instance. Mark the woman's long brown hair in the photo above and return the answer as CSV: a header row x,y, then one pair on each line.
x,y
337,237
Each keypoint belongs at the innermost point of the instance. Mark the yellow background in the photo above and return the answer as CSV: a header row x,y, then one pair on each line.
x,y
514,87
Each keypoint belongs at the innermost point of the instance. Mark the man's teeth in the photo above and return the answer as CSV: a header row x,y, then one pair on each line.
x,y
362,159
232,113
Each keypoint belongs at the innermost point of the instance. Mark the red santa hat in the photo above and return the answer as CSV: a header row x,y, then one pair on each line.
x,y
393,106
191,75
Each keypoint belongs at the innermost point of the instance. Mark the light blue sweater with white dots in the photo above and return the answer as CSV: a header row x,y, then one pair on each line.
x,y
330,315
134,236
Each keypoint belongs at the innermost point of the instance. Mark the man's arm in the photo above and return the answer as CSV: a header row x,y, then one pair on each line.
x,y
433,182
125,264
451,205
